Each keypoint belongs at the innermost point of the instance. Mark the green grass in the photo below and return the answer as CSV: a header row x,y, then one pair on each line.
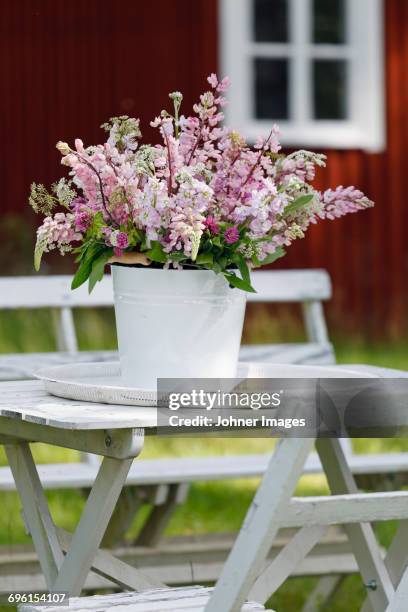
x,y
211,507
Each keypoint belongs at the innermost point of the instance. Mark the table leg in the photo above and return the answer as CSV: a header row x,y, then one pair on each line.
x,y
35,507
361,535
399,602
92,525
261,524
396,561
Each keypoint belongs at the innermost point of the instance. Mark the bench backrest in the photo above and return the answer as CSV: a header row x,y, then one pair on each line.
x,y
308,287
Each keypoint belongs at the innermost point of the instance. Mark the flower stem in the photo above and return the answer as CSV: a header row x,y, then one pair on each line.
x,y
104,203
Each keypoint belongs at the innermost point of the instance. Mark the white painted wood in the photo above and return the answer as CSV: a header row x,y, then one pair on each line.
x,y
22,366
119,443
261,524
52,291
396,559
66,336
290,286
399,602
312,353
160,600
364,126
345,509
28,401
92,525
106,565
322,594
361,535
180,560
161,514
35,509
55,291
285,562
315,322
196,469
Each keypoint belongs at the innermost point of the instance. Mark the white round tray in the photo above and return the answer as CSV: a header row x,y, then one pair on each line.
x,y
102,383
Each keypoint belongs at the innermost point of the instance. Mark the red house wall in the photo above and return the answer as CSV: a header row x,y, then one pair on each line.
x,y
66,67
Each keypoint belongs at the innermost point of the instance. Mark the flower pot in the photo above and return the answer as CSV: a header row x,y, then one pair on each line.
x,y
176,324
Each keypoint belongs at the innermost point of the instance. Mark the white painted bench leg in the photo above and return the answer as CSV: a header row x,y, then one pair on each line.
x,y
362,538
120,573
399,602
396,559
161,514
325,589
35,509
92,525
261,525
286,562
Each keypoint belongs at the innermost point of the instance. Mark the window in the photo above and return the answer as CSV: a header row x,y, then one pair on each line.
x,y
312,66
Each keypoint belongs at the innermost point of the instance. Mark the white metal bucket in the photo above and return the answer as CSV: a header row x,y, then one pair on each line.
x,y
176,324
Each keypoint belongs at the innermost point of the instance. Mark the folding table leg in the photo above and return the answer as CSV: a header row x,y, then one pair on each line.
x,y
35,507
261,525
399,602
396,561
92,525
361,535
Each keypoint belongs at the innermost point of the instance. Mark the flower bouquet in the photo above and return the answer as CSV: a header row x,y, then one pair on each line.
x,y
202,202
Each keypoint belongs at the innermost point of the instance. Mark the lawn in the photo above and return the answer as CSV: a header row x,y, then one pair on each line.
x,y
211,506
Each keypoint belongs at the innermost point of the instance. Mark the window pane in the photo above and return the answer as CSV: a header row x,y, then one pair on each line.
x,y
329,21
330,89
271,88
270,19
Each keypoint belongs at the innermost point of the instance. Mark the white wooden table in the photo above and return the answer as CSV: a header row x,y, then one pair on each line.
x,y
29,414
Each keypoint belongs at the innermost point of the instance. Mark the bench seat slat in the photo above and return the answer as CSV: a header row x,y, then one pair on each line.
x,y
195,469
22,366
159,600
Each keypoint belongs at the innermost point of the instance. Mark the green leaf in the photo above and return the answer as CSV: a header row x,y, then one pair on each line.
x,y
89,255
82,274
239,283
98,268
177,256
40,246
242,266
156,252
205,259
297,204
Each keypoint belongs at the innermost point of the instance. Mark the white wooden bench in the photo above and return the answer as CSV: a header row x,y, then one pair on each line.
x,y
182,599
306,287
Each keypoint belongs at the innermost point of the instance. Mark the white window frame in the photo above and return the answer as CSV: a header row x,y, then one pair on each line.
x,y
364,49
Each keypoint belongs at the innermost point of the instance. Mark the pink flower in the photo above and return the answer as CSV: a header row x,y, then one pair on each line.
x,y
117,252
231,235
343,200
211,225
122,240
82,221
213,80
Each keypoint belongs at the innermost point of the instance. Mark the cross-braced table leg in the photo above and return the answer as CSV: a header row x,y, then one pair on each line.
x,y
261,525
92,525
361,535
396,562
68,572
35,508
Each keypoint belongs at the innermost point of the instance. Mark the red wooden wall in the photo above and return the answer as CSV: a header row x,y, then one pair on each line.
x,y
65,67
